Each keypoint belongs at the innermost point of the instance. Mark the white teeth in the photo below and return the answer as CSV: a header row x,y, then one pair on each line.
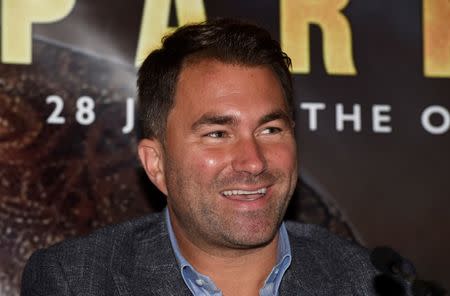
x,y
244,192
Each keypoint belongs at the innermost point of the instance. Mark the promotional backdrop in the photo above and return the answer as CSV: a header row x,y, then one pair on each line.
x,y
372,83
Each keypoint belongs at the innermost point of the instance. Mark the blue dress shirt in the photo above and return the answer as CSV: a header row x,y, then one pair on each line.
x,y
202,285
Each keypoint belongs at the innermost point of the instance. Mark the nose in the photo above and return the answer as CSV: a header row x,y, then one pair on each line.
x,y
248,157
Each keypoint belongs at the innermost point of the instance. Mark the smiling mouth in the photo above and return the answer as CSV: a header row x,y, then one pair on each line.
x,y
244,195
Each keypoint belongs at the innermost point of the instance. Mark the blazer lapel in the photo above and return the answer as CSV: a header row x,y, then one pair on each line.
x,y
146,265
306,275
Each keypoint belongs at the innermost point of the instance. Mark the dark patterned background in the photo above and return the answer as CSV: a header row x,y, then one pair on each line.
x,y
60,181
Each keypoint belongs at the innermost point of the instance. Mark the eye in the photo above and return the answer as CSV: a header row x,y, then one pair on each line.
x,y
271,130
216,134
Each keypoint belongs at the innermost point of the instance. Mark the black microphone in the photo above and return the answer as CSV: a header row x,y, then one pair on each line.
x,y
393,266
390,262
387,262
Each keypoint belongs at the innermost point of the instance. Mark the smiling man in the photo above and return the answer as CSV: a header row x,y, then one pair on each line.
x,y
216,109
227,164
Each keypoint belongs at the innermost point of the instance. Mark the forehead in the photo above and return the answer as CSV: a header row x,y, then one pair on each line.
x,y
210,84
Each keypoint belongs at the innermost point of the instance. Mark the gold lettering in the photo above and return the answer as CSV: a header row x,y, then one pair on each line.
x,y
436,36
298,15
155,21
17,19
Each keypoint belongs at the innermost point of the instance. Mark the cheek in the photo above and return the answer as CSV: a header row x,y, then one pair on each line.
x,y
210,161
283,156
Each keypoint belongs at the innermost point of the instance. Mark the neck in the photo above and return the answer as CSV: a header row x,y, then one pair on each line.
x,y
235,271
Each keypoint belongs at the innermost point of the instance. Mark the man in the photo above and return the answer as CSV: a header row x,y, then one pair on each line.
x,y
216,107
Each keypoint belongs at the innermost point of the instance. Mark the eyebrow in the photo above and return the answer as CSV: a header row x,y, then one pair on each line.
x,y
211,118
214,119
276,115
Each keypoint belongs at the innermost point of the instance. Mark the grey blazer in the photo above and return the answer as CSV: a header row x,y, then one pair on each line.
x,y
136,258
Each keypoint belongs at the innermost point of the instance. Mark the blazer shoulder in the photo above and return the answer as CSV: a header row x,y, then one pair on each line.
x,y
332,259
102,244
328,260
321,238
86,263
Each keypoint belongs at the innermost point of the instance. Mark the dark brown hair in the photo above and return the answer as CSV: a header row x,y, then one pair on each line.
x,y
225,40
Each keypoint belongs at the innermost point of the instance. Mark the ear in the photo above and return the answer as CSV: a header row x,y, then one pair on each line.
x,y
151,154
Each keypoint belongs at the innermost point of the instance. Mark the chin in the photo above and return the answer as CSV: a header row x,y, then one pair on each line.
x,y
251,236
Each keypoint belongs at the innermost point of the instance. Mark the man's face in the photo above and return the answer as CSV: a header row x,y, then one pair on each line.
x,y
229,158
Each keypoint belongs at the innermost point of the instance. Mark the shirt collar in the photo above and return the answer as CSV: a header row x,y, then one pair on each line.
x,y
200,284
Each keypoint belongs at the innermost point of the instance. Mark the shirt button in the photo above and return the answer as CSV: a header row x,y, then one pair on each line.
x,y
199,282
276,271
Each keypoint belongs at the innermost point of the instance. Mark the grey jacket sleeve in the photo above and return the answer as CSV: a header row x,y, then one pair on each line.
x,y
44,276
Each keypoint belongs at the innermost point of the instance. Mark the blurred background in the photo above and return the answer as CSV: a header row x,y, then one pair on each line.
x,y
372,82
